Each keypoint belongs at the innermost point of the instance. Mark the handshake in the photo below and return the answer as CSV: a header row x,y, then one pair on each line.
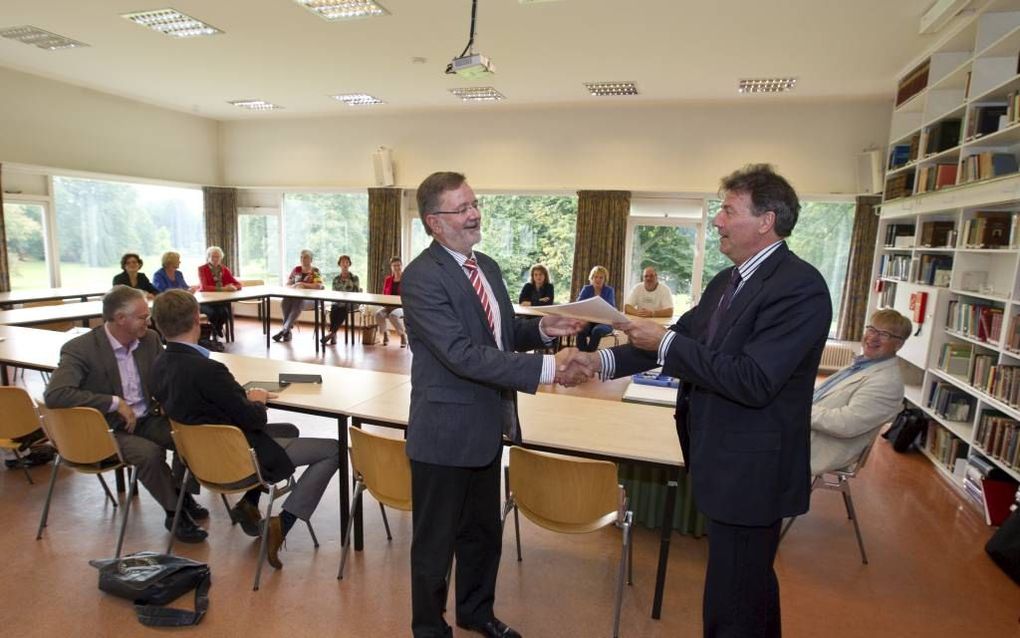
x,y
574,367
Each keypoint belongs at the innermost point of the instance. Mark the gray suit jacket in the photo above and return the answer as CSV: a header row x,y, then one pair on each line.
x,y
462,386
87,375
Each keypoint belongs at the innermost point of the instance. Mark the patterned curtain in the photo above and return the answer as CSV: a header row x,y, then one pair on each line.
x,y
221,223
383,234
5,273
853,314
601,238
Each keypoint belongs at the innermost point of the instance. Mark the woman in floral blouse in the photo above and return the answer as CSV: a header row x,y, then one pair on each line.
x,y
303,276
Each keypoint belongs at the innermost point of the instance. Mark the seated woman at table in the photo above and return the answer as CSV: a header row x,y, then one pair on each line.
x,y
346,281
391,286
215,277
538,291
304,275
170,276
588,339
131,275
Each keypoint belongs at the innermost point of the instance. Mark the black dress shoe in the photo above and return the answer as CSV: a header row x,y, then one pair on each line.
x,y
248,516
494,628
194,510
187,531
278,337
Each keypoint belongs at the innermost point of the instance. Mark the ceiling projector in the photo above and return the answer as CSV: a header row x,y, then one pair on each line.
x,y
472,67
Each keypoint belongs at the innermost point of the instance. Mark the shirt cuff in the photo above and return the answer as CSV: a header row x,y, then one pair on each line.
x,y
114,404
608,360
664,347
546,339
548,370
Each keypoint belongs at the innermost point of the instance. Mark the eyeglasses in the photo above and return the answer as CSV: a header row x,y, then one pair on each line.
x,y
461,210
883,335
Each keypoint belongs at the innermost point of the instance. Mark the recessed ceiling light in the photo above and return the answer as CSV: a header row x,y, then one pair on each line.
x,y
604,89
767,85
255,105
478,94
172,22
357,99
40,38
333,10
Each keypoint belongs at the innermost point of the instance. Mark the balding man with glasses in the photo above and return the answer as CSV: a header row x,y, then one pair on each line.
x,y
852,404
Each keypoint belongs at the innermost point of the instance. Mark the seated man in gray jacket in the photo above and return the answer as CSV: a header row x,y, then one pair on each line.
x,y
852,404
110,369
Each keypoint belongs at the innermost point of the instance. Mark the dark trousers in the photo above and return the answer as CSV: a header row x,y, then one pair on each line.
x,y
741,590
588,339
217,313
338,315
456,512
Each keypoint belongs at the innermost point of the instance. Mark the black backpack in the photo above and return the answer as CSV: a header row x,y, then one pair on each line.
x,y
905,428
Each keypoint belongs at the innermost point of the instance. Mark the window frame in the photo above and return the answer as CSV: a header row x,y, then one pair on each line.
x,y
49,237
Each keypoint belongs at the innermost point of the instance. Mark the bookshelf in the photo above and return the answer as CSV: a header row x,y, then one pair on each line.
x,y
949,229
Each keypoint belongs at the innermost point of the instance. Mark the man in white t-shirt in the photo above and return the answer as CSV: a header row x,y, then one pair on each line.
x,y
650,298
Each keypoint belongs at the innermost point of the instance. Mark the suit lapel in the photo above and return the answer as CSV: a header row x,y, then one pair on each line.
x,y
495,279
460,280
749,291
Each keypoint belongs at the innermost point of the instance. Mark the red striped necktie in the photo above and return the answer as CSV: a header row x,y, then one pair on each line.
x,y
476,283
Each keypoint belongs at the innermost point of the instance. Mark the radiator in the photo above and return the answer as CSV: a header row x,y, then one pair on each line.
x,y
837,354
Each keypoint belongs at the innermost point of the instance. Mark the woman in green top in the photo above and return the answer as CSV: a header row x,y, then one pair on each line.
x,y
346,281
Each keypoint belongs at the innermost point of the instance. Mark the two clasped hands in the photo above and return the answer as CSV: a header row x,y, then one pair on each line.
x,y
574,367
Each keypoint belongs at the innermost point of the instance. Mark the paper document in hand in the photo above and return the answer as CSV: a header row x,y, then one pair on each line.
x,y
594,309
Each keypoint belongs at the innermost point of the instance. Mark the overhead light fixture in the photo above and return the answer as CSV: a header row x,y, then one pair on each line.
x,y
604,89
27,34
767,85
171,22
470,65
255,105
478,94
333,10
357,99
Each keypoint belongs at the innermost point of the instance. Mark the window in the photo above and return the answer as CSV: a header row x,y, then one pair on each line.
x,y
330,225
26,245
821,238
662,232
519,231
258,246
98,221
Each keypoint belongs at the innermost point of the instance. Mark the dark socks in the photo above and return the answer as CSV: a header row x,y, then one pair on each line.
x,y
287,521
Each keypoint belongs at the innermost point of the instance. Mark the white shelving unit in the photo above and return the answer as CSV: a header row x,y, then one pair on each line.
x,y
976,66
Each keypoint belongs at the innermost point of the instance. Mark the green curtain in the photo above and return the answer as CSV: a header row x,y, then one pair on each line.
x,y
383,234
601,238
5,272
221,222
854,306
646,492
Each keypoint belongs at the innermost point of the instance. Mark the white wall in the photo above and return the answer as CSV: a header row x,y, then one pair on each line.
x,y
642,148
49,123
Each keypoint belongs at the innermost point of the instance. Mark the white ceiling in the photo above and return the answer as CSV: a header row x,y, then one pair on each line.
x,y
275,50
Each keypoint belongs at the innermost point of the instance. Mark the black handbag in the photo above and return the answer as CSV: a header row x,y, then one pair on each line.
x,y
1004,546
152,580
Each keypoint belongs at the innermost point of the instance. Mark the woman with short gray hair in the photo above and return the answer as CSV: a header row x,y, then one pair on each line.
x,y
304,276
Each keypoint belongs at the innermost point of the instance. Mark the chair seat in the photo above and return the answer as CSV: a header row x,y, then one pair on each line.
x,y
112,463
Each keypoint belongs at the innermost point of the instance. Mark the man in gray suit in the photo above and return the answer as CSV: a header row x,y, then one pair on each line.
x,y
108,369
469,362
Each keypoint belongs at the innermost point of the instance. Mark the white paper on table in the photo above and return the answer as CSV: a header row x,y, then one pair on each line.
x,y
594,309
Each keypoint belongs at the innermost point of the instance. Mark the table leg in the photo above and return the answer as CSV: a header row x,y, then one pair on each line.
x,y
344,472
119,476
318,309
667,532
265,320
230,322
359,518
4,376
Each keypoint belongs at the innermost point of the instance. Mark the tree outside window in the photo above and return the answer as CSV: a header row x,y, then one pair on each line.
x,y
26,251
330,225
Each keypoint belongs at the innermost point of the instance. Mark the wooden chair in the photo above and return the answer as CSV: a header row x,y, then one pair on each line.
x,y
85,443
20,419
571,496
220,459
380,466
839,481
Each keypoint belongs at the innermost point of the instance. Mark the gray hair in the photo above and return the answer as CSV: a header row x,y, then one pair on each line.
x,y
305,251
119,299
213,249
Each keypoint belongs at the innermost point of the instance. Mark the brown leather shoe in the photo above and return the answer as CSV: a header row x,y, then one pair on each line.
x,y
274,541
248,516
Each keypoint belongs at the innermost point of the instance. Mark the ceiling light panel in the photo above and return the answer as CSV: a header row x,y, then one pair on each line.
x,y
255,105
28,34
333,10
767,85
478,94
357,99
605,89
172,22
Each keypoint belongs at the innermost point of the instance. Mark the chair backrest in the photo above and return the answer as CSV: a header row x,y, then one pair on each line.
x,y
383,466
251,282
562,493
851,470
81,435
58,326
19,414
218,456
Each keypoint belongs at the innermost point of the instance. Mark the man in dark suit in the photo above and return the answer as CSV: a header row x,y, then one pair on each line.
x,y
747,356
110,369
468,364
196,390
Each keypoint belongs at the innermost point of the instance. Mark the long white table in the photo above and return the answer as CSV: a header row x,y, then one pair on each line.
x,y
83,293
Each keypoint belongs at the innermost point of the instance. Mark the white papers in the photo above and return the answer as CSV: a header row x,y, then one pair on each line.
x,y
594,309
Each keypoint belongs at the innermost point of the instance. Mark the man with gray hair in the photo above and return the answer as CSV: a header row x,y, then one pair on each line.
x,y
109,369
